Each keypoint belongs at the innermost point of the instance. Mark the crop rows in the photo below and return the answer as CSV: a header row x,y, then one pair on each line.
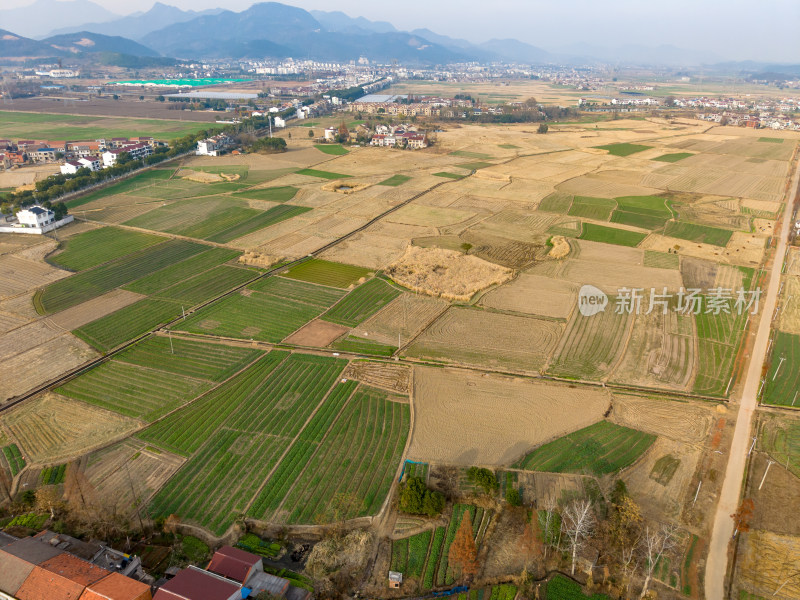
x,y
273,194
562,588
191,358
599,449
125,324
217,223
14,458
96,246
207,285
611,235
53,475
89,284
298,291
185,431
260,425
133,391
783,378
624,148
361,303
699,233
433,558
352,470
444,575
329,273
145,179
267,218
363,346
417,553
321,174
592,208
181,271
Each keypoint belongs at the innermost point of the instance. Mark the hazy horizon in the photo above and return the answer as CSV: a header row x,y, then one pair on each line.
x,y
730,30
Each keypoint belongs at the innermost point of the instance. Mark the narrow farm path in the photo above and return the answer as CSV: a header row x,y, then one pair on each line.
x,y
722,527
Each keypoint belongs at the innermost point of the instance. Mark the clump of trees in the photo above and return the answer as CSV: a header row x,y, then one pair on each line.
x,y
417,499
269,145
484,479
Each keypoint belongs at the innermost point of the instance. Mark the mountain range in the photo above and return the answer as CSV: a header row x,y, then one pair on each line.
x,y
272,29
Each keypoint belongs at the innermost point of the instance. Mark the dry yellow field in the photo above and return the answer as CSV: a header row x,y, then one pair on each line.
x,y
465,418
534,295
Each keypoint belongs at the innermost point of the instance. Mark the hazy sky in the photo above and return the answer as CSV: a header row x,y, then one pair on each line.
x,y
765,30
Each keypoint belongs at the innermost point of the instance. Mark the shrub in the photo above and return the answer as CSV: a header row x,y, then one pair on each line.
x,y
513,497
417,499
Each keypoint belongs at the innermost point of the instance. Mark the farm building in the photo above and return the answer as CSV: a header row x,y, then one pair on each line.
x,y
395,579
213,146
36,220
196,584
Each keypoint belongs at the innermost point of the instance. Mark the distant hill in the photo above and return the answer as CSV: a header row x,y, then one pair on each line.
x,y
13,45
41,17
516,51
138,25
85,41
338,21
275,29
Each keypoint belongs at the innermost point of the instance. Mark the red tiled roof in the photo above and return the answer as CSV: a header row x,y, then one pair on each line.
x,y
44,585
75,569
196,584
13,572
117,587
233,563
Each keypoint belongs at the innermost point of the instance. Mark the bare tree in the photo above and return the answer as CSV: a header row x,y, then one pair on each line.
x,y
577,522
549,514
656,542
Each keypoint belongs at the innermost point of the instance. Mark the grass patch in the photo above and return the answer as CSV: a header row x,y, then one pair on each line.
x,y
474,166
361,303
624,149
701,234
359,345
97,246
661,260
664,469
562,588
274,194
127,323
395,180
592,208
332,149
448,175
673,157
466,154
771,140
611,235
599,449
325,272
508,146
322,174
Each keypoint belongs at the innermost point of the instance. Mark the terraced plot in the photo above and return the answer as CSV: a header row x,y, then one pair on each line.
x,y
127,323
343,463
362,303
325,272
133,391
97,246
599,449
91,283
222,474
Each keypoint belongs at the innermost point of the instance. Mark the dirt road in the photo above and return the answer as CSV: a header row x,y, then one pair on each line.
x,y
722,532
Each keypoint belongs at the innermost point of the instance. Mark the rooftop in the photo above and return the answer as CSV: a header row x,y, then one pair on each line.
x,y
117,587
233,563
196,584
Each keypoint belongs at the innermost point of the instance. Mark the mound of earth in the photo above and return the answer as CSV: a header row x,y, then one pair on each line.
x,y
560,247
445,273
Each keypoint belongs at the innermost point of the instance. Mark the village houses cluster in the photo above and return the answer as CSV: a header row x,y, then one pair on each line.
x,y
92,154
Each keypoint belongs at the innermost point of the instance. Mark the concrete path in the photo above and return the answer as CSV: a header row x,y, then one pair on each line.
x,y
722,532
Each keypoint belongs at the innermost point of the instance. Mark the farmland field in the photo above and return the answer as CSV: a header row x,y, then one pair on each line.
x,y
348,474
673,157
274,215
181,271
97,246
14,458
127,323
562,588
395,180
781,439
699,233
598,449
360,345
321,174
661,260
361,303
624,149
611,235
332,149
449,175
592,208
783,377
207,285
261,424
329,273
91,283
274,194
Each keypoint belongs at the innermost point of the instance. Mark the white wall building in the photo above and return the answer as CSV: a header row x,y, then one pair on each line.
x,y
214,146
136,151
35,220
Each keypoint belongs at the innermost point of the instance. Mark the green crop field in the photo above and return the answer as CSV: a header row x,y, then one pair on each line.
x,y
661,260
68,292
647,212
780,437
702,234
130,185
327,273
53,475
274,215
344,467
14,458
206,286
592,208
362,303
673,157
624,149
363,346
274,194
133,391
449,175
783,377
190,358
322,174
97,246
221,478
562,588
127,323
611,235
409,554
474,166
557,202
664,469
184,431
465,154
624,217
272,309
771,140
508,146
178,272
90,127
599,449
332,149
395,180
444,574
433,558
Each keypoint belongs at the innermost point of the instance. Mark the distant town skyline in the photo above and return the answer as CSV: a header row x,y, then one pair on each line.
x,y
729,29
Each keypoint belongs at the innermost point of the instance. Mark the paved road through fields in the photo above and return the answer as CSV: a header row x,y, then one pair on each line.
x,y
722,532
